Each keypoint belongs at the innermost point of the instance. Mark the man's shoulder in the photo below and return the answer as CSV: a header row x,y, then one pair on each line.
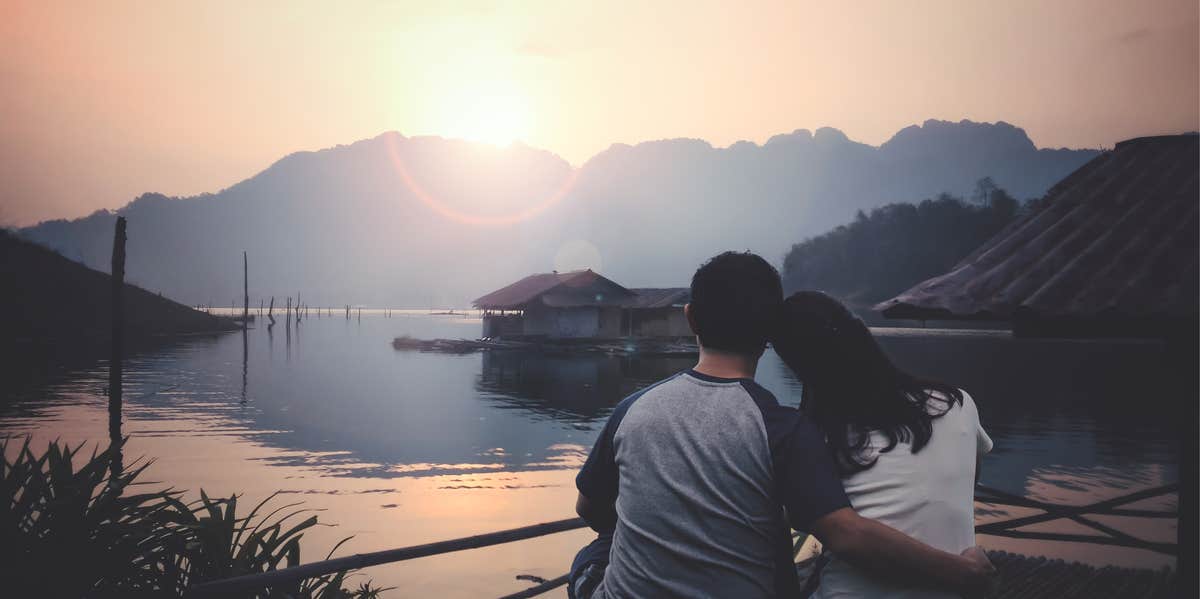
x,y
779,420
623,406
761,395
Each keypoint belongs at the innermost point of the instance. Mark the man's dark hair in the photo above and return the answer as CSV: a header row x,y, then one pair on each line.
x,y
736,299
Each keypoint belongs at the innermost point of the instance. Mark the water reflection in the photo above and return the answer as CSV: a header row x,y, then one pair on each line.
x,y
245,363
576,389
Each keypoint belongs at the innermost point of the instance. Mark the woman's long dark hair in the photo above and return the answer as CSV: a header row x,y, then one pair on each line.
x,y
851,387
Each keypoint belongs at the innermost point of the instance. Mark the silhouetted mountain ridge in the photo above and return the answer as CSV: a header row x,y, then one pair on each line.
x,y
57,311
417,221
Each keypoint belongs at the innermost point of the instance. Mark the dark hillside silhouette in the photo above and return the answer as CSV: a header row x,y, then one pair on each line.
x,y
887,251
395,220
54,308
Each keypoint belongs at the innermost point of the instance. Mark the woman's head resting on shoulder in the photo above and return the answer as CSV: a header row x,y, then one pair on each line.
x,y
851,387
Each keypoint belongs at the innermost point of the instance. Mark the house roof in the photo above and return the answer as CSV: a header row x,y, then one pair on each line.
x,y
1115,239
565,285
658,297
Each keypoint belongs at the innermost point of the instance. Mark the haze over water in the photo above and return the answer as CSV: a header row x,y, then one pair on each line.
x,y
401,448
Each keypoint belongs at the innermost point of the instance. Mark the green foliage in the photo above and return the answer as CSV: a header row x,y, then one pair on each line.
x,y
78,533
71,532
897,246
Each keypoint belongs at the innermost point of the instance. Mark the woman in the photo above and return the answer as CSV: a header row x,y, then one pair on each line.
x,y
907,448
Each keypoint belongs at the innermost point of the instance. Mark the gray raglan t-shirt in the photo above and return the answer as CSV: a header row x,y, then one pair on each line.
x,y
701,470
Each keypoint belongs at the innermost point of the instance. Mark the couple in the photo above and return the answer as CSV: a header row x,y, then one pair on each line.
x,y
696,481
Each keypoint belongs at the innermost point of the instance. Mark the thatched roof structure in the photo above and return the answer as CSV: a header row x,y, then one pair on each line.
x,y
557,289
658,297
1111,248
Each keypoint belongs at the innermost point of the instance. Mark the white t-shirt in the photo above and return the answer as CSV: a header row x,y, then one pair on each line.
x,y
930,496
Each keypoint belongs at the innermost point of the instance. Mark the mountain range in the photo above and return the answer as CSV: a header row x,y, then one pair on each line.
x,y
427,221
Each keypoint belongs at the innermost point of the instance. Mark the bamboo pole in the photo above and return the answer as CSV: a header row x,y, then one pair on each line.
x,y
116,354
249,582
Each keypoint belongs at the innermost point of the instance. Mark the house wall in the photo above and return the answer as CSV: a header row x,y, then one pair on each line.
x,y
563,322
660,322
507,325
609,326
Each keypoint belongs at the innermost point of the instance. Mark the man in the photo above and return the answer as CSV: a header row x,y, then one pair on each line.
x,y
695,480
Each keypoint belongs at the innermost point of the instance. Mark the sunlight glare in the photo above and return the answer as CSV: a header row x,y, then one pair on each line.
x,y
496,114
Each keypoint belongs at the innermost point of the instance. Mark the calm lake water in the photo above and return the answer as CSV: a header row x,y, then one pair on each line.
x,y
400,447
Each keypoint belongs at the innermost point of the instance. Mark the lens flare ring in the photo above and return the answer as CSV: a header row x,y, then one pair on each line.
x,y
441,208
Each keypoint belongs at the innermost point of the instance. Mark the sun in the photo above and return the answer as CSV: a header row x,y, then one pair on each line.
x,y
496,114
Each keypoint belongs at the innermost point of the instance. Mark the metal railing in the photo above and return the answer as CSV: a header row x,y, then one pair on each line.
x,y
984,494
1079,514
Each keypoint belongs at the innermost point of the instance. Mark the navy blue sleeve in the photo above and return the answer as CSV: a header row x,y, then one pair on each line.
x,y
597,480
805,473
806,477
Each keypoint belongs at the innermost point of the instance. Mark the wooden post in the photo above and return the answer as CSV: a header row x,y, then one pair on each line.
x,y
269,310
1182,348
117,351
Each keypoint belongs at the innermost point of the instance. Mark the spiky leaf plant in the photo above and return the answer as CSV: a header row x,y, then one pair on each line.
x,y
79,532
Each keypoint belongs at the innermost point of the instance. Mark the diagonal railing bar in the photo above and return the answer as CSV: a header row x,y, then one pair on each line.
x,y
1108,530
1055,512
1078,514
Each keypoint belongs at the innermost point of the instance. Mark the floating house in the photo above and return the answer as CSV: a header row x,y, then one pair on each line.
x,y
1110,250
581,304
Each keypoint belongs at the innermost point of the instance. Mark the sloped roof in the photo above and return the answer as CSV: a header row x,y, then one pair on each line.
x,y
1116,239
533,287
658,297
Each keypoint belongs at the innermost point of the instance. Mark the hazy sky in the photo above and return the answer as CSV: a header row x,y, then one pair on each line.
x,y
101,101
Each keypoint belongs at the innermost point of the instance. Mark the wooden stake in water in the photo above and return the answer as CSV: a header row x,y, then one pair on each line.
x,y
117,350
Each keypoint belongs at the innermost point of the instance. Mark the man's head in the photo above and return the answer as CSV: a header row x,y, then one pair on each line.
x,y
736,297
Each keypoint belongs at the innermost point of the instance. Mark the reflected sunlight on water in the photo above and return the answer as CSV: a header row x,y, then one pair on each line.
x,y
400,448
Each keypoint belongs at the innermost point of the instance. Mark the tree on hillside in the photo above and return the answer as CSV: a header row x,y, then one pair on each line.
x,y
898,245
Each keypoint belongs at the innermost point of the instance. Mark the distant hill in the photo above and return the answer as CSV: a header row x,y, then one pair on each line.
x,y
404,221
892,248
53,308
